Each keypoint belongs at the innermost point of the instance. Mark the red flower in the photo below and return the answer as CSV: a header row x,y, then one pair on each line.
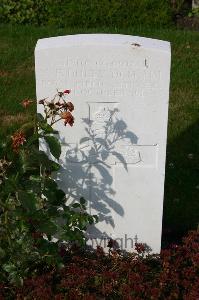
x,y
26,102
70,106
18,139
68,118
139,247
67,91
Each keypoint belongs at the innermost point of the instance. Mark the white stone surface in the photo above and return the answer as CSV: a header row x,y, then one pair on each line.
x,y
114,155
195,3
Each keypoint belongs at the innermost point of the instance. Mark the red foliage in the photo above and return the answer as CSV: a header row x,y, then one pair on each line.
x,y
174,274
18,139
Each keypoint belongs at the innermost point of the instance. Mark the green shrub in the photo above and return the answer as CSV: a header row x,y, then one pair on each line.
x,y
88,275
24,11
31,203
88,13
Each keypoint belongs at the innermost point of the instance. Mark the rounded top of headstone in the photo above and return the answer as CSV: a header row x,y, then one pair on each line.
x,y
102,39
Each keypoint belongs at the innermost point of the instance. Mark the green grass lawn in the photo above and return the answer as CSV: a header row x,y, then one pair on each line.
x,y
17,81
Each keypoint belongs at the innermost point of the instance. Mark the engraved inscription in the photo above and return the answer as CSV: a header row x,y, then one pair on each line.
x,y
89,77
137,74
130,154
108,140
143,156
103,115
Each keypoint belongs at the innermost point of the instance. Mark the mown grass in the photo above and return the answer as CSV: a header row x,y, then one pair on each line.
x,y
17,81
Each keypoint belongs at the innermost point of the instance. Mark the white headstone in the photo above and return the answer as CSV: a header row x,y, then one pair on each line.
x,y
195,3
114,155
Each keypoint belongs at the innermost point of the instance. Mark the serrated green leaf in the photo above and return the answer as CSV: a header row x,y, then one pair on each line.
x,y
54,166
10,185
50,184
51,191
82,201
40,118
38,157
9,267
32,140
35,178
31,160
75,205
54,146
83,206
90,220
27,200
48,227
96,218
47,128
33,184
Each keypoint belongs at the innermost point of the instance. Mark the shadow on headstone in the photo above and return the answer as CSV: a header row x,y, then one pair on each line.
x,y
87,166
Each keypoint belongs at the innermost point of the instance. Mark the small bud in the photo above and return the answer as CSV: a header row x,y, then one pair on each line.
x,y
67,91
41,101
26,102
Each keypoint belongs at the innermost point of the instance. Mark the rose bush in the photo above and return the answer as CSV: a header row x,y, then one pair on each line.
x,y
31,201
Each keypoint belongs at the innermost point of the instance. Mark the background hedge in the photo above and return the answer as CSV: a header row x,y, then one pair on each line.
x,y
87,13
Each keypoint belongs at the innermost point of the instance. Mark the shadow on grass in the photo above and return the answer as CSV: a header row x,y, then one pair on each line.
x,y
181,204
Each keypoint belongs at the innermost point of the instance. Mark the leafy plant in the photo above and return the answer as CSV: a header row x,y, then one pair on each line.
x,y
194,12
35,219
87,13
25,11
118,275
